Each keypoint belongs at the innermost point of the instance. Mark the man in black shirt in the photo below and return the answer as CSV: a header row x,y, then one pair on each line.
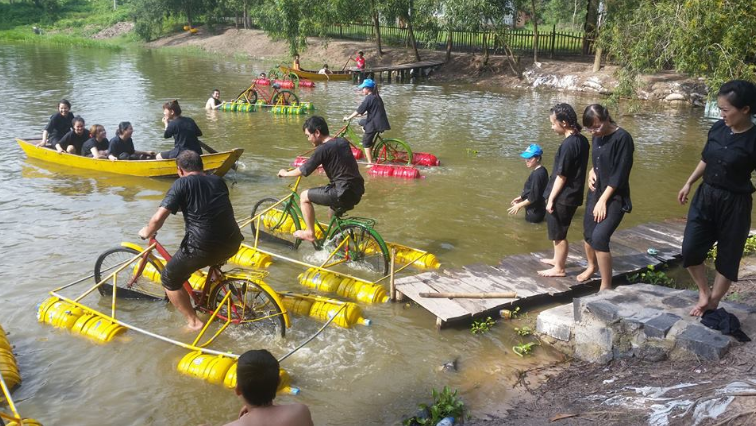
x,y
376,122
346,185
212,235
73,141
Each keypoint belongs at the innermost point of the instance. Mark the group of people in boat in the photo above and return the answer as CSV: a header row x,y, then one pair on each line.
x,y
67,133
720,211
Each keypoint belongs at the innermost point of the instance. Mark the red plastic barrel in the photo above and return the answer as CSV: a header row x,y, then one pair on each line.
x,y
406,172
424,159
299,161
306,83
285,84
263,81
381,170
357,153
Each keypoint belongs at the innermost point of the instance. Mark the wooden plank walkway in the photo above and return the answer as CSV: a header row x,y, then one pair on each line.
x,y
402,71
517,273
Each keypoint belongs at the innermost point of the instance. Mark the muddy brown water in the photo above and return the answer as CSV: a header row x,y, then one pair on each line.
x,y
55,221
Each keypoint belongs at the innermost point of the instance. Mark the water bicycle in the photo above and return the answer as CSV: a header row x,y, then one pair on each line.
x,y
257,96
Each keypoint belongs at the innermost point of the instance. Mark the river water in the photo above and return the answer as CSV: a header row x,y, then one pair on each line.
x,y
55,221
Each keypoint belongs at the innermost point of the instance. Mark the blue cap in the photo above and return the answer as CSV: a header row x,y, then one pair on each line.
x,y
368,82
532,151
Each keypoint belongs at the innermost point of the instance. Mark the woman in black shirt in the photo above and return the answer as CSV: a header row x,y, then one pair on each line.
x,y
184,131
59,124
721,208
97,145
608,190
121,147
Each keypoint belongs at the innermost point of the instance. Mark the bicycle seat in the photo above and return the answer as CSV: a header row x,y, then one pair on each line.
x,y
276,86
339,211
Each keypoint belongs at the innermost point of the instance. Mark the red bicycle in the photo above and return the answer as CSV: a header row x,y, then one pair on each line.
x,y
243,298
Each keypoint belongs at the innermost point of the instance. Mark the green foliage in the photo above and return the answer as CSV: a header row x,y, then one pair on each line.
x,y
445,404
482,326
749,248
524,348
523,331
652,276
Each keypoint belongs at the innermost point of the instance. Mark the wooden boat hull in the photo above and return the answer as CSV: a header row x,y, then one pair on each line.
x,y
314,76
219,163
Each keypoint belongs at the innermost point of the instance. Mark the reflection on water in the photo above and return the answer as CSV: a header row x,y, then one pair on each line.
x,y
55,221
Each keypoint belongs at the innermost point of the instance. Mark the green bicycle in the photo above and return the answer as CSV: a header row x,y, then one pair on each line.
x,y
352,240
384,150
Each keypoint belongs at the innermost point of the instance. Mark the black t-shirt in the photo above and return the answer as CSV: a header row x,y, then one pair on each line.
x,y
377,121
185,134
339,164
208,215
118,146
730,158
612,158
533,190
59,126
71,138
86,149
571,161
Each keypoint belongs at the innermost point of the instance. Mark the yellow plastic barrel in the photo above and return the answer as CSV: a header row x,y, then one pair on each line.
x,y
9,369
249,257
320,280
24,422
349,316
97,328
361,291
59,313
196,280
4,342
296,305
284,383
212,368
407,254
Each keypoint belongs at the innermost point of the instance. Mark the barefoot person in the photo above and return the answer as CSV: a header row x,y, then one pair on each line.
x,y
721,208
257,380
376,122
608,190
532,193
564,194
345,187
184,131
212,235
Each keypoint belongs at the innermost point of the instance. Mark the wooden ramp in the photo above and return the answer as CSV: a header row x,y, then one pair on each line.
x,y
518,273
402,71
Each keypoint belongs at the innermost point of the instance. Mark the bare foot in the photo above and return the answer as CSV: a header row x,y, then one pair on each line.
x,y
702,306
586,275
548,261
304,234
553,272
195,325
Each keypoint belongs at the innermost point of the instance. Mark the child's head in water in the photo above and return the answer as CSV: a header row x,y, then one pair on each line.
x,y
532,155
257,377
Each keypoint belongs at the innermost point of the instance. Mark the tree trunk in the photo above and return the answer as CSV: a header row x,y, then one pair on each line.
x,y
449,41
591,21
412,39
189,15
377,25
485,50
597,60
535,31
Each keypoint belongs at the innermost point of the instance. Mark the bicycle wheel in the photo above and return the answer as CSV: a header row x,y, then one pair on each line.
x,y
392,151
365,248
276,226
251,306
247,96
129,286
285,97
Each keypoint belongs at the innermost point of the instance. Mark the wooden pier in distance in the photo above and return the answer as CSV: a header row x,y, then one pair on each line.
x,y
402,72
518,273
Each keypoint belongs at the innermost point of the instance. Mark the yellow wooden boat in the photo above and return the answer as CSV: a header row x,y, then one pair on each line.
x,y
314,76
218,163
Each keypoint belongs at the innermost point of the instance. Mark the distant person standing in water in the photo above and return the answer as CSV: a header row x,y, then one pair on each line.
x,y
532,193
184,131
564,193
608,190
60,123
721,208
214,102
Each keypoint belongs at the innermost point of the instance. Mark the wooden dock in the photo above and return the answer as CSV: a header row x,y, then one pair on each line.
x,y
403,72
518,273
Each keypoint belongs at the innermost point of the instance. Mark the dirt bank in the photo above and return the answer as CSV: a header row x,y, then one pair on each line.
x,y
563,74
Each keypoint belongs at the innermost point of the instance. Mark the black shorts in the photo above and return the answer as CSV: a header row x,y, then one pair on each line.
x,y
721,216
327,196
187,260
368,139
598,234
127,156
558,223
166,155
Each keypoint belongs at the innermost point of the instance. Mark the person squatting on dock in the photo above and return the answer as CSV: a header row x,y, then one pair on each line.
x,y
257,380
212,235
564,193
532,193
721,208
608,190
345,186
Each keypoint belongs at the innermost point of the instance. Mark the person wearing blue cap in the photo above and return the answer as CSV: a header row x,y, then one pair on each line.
x,y
532,193
376,122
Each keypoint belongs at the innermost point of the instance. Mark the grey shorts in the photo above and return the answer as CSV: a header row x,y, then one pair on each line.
x,y
327,196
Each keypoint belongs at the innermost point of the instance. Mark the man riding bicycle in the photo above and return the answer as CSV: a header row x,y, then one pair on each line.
x,y
346,185
212,235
